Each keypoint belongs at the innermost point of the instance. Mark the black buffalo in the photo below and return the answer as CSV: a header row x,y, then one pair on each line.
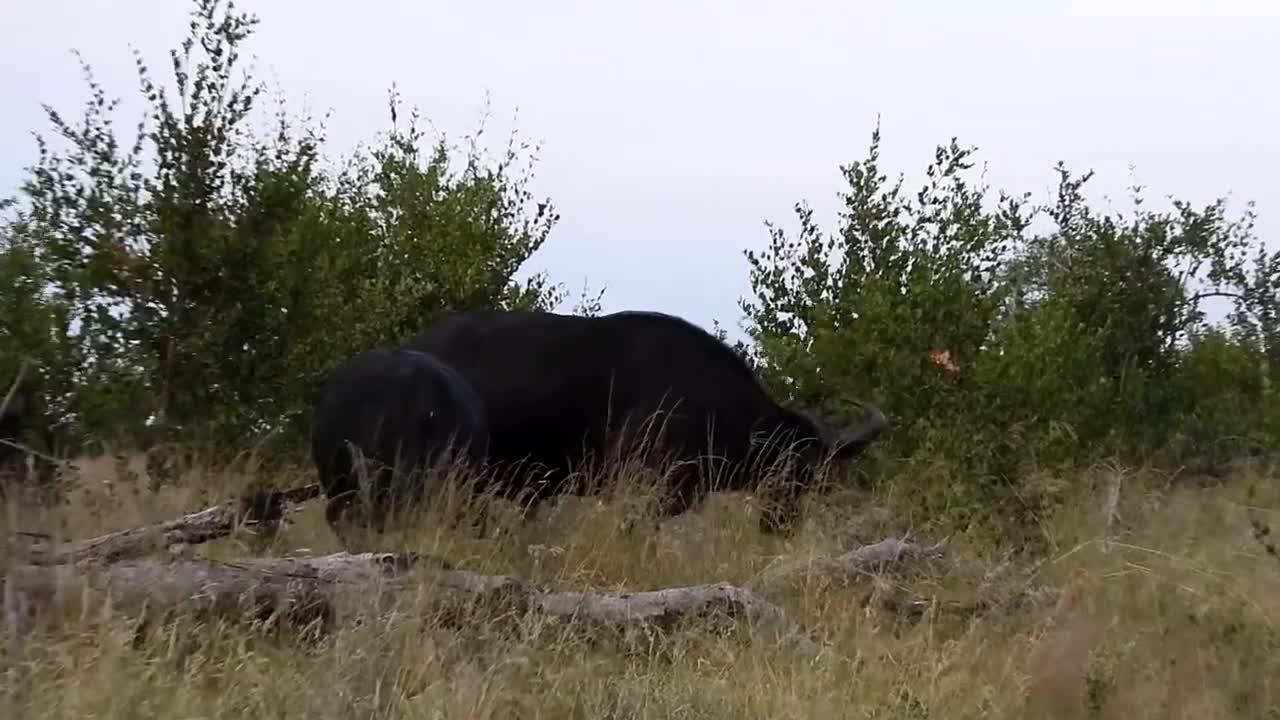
x,y
12,424
553,384
404,411
25,443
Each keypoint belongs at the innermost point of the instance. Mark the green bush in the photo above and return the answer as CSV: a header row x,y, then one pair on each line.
x,y
197,284
1075,344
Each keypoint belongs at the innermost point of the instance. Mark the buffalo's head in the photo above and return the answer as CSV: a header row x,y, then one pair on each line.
x,y
824,443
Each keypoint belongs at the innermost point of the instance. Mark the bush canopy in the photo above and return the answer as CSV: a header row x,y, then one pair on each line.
x,y
194,281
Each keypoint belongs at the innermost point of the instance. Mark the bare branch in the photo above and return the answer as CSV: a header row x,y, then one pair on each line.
x,y
262,509
1214,294
13,389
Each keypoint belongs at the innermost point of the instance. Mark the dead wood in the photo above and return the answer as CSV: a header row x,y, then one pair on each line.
x,y
262,509
319,592
888,555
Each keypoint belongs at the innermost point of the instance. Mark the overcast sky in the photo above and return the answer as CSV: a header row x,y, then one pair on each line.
x,y
671,131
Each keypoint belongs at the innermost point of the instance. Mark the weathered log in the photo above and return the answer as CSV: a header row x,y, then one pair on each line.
x,y
262,509
883,556
310,590
888,553
321,590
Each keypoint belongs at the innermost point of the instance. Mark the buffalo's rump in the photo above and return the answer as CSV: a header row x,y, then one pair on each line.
x,y
398,408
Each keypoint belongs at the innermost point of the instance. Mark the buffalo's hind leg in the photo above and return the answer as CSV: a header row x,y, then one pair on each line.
x,y
347,516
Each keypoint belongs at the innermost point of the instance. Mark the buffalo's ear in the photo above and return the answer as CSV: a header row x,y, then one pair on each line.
x,y
427,423
851,442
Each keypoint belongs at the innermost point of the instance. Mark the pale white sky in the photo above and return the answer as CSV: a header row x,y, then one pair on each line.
x,y
672,130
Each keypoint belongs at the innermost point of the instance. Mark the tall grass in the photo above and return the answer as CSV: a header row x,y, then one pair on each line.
x,y
1156,602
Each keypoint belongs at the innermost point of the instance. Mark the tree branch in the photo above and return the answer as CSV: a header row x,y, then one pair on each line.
x,y
13,388
1215,294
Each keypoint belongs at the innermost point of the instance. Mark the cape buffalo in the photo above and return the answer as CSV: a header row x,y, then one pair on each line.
x,y
12,411
20,426
402,410
553,384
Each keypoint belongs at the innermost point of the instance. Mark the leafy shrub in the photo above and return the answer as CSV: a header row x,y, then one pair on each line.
x,y
997,350
197,284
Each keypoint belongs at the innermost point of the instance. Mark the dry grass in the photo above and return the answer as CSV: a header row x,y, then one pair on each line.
x,y
1174,616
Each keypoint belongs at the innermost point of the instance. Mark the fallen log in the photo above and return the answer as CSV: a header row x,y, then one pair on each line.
x,y
888,553
317,591
321,592
262,509
883,556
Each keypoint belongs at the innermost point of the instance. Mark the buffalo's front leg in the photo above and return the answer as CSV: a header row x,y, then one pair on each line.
x,y
780,514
